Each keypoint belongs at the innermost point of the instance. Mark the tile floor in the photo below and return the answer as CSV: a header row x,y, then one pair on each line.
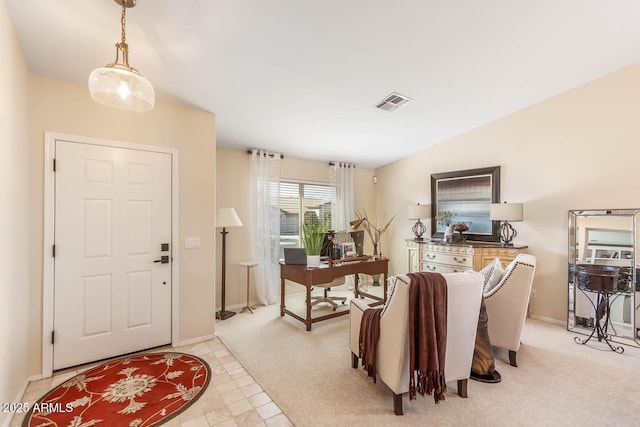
x,y
233,398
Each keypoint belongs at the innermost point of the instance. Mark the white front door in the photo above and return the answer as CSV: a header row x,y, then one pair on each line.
x,y
112,292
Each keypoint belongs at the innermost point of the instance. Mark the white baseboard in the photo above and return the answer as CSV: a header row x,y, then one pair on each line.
x,y
19,397
196,340
236,306
240,306
298,290
548,319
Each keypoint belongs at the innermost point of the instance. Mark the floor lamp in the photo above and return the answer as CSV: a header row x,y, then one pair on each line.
x,y
225,217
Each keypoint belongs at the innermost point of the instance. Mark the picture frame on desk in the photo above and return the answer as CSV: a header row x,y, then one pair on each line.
x,y
468,195
348,250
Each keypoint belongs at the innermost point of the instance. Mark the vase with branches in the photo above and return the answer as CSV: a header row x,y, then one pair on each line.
x,y
444,219
373,231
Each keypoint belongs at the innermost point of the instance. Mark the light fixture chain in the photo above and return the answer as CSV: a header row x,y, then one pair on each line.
x,y
123,20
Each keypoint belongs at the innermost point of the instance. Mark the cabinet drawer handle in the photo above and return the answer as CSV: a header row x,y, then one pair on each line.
x,y
461,261
431,256
432,267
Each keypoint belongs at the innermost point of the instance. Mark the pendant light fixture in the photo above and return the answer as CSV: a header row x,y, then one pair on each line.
x,y
119,85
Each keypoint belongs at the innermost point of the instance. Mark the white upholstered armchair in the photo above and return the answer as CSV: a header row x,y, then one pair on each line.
x,y
507,304
464,294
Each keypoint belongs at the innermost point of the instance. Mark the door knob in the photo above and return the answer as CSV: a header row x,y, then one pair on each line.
x,y
164,259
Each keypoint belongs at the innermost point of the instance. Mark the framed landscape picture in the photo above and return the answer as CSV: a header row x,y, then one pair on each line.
x,y
348,249
467,194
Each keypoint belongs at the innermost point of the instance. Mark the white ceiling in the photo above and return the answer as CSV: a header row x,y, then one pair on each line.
x,y
301,77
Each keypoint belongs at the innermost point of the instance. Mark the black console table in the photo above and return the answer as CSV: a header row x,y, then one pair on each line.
x,y
605,282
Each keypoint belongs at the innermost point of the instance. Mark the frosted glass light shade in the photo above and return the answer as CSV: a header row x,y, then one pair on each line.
x,y
122,89
419,211
505,212
227,217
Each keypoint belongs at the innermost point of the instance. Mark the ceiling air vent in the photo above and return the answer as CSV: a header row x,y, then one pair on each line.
x,y
393,102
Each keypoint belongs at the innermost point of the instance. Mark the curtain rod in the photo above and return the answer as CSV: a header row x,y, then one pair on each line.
x,y
351,165
270,155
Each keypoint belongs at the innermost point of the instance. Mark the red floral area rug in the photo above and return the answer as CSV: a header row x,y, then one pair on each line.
x,y
136,391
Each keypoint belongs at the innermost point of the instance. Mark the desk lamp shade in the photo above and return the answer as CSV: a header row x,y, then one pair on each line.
x,y
225,217
356,223
506,212
418,212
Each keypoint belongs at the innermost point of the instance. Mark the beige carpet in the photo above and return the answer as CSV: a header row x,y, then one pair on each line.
x,y
309,375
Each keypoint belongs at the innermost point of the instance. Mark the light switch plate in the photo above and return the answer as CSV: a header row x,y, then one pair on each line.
x,y
192,242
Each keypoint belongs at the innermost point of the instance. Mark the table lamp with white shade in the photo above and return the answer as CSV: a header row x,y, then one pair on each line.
x,y
225,217
419,212
506,212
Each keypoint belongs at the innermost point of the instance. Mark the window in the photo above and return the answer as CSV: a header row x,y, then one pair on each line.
x,y
314,200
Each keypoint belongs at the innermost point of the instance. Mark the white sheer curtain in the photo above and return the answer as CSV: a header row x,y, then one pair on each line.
x,y
265,217
343,210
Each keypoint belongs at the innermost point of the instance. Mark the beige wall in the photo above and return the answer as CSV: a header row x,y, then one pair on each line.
x,y
17,275
67,108
233,190
578,150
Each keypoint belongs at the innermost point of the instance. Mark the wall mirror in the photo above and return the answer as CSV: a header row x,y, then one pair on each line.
x,y
603,272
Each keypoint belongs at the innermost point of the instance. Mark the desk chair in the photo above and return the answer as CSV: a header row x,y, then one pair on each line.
x,y
326,298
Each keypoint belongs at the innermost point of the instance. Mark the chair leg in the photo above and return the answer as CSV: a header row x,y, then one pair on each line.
x,y
329,300
397,404
354,360
462,388
512,358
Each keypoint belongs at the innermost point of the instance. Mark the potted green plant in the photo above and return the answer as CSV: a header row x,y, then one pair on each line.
x,y
312,239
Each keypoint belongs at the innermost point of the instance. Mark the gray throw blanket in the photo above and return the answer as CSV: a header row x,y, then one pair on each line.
x,y
427,334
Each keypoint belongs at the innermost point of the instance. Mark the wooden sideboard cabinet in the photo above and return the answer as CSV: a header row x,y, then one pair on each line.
x,y
413,256
433,255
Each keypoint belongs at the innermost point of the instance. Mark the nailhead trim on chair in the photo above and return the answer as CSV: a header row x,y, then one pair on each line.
x,y
395,280
504,279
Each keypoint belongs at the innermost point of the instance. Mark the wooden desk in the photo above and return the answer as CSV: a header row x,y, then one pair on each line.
x,y
309,276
